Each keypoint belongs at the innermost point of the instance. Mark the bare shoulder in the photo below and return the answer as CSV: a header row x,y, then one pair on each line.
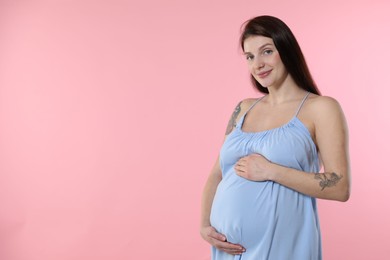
x,y
238,112
325,119
323,106
326,115
247,103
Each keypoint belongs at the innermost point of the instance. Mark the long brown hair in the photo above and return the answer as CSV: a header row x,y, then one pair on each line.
x,y
287,46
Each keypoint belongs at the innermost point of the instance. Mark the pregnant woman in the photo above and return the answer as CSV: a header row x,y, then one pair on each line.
x,y
259,202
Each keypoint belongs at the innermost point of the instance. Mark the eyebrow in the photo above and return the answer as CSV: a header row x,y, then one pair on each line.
x,y
261,47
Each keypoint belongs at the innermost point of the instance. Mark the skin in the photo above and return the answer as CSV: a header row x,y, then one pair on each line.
x,y
208,232
322,116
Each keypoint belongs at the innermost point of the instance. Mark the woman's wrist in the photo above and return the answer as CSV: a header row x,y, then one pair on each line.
x,y
205,223
274,172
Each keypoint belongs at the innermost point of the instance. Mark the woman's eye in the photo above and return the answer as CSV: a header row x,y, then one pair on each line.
x,y
267,52
249,57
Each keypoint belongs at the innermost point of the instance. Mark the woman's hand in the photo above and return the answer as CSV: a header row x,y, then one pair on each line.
x,y
220,242
254,167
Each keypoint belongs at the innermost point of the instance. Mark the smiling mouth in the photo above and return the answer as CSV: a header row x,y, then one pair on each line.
x,y
264,74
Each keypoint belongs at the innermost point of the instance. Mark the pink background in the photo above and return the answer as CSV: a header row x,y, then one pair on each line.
x,y
112,114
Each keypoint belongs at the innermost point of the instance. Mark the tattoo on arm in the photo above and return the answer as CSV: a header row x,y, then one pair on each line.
x,y
327,179
232,121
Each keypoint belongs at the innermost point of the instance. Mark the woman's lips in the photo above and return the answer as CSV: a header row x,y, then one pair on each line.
x,y
264,74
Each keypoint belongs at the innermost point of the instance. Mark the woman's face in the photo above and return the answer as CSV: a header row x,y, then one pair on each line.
x,y
264,62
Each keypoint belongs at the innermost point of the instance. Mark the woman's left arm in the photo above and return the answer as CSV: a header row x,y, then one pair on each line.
x,y
331,136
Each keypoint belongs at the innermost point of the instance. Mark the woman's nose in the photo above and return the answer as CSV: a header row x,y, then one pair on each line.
x,y
259,63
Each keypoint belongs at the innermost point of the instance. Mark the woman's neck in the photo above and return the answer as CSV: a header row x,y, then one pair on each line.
x,y
288,91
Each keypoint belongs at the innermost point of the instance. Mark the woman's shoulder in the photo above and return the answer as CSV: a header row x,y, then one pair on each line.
x,y
247,103
241,108
323,105
323,101
244,105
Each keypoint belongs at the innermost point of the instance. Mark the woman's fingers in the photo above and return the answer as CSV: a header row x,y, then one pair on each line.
x,y
219,241
239,168
229,248
215,235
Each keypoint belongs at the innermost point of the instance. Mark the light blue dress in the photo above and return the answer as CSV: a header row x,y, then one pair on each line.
x,y
271,221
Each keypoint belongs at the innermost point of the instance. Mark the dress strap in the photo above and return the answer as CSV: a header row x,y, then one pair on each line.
x,y
303,101
241,121
254,104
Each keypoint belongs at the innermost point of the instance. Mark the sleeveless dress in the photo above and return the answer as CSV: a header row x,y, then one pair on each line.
x,y
271,221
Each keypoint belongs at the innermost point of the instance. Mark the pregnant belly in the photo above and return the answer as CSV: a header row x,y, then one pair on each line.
x,y
243,210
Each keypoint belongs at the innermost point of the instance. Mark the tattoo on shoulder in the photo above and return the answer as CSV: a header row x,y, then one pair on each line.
x,y
233,118
327,179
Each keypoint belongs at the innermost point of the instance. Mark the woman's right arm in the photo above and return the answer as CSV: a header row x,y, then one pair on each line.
x,y
207,200
208,232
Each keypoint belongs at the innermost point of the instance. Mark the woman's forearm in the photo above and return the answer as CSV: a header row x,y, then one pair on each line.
x,y
208,197
332,185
